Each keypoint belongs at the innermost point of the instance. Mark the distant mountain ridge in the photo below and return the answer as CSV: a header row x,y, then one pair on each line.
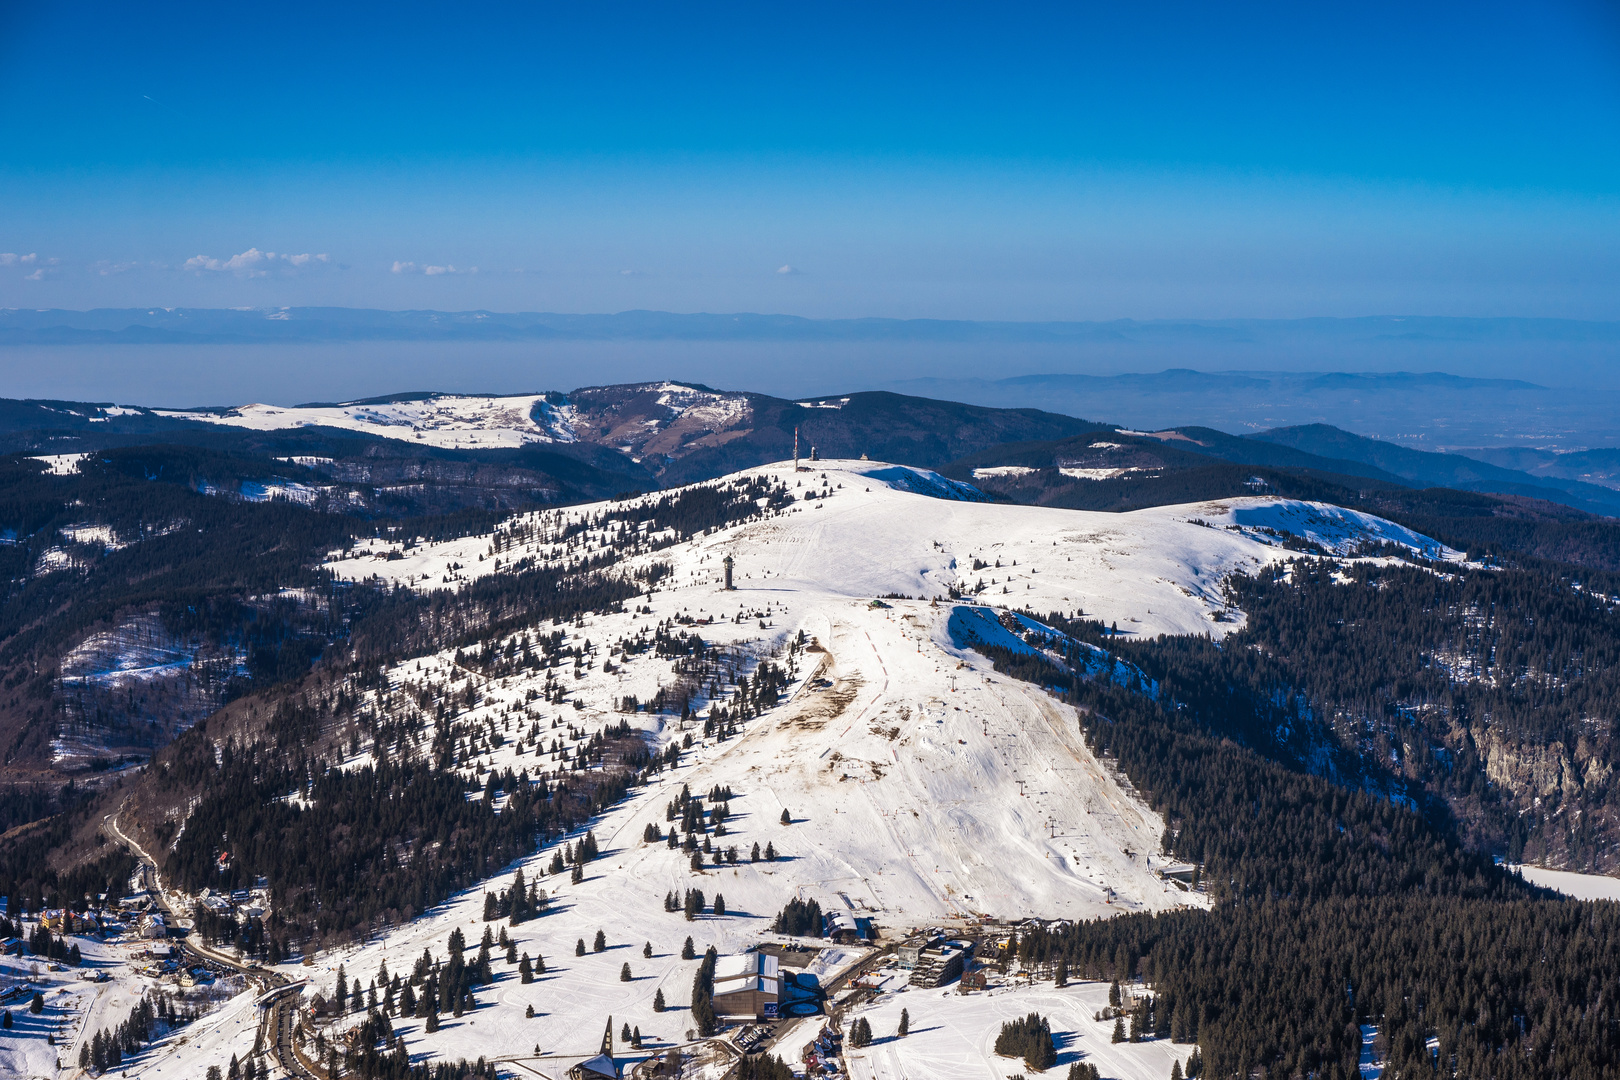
x,y
178,326
1421,408
1425,469
595,441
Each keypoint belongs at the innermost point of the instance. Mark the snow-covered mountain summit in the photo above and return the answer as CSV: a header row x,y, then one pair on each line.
x,y
873,529
671,431
911,756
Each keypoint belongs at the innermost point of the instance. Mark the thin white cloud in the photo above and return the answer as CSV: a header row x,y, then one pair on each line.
x,y
106,268
431,271
37,275
11,258
254,263
787,268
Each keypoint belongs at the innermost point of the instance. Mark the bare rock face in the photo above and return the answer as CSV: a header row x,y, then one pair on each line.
x,y
1531,771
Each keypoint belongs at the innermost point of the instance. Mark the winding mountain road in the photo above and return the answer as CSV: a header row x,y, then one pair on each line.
x,y
280,1011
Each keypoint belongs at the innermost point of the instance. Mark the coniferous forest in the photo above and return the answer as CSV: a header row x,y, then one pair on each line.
x,y
1348,894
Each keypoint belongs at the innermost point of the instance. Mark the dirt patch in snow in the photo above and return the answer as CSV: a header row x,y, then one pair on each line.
x,y
816,709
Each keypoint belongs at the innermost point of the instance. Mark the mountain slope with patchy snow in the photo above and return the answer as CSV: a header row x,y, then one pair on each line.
x,y
445,420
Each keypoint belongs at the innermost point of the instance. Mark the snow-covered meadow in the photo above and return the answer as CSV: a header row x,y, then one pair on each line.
x,y
952,1035
444,420
77,1006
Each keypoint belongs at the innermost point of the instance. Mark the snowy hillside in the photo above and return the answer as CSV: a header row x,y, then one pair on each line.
x,y
890,713
1340,531
638,420
920,787
887,529
894,725
443,420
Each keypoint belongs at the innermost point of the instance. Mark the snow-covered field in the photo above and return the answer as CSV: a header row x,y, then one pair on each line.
x,y
231,1029
1152,571
1335,528
1578,886
61,464
445,420
952,1036
694,418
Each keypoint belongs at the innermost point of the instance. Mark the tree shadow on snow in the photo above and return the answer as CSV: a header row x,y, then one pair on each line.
x,y
1067,1043
879,1041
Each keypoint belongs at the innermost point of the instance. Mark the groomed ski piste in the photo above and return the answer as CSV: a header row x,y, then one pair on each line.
x,y
924,789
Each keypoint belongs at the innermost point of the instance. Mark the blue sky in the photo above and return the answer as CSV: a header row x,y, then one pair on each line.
x,y
998,161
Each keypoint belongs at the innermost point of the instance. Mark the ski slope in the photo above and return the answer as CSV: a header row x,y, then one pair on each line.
x,y
952,1036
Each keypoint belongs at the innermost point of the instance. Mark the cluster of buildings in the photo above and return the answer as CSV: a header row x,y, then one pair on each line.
x,y
66,921
167,961
820,1055
242,905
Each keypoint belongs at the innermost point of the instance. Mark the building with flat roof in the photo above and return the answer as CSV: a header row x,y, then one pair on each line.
x,y
939,963
747,985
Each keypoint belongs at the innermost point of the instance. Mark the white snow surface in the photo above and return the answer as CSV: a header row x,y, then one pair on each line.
x,y
1335,528
952,1036
61,464
1572,884
1075,472
924,788
1151,571
445,420
101,535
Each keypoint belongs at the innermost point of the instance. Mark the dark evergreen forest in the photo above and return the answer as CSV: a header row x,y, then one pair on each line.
x,y
1341,899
